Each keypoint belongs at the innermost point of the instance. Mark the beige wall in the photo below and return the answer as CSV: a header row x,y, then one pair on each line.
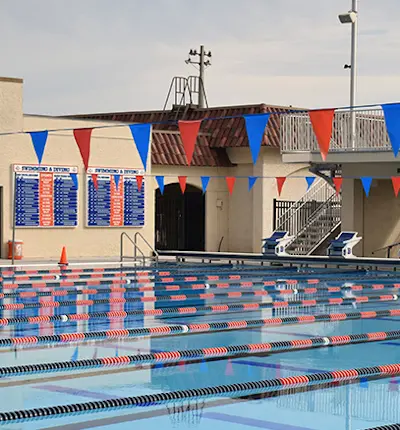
x,y
111,147
376,218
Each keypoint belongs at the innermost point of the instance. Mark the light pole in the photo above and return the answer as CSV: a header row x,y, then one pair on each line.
x,y
351,18
202,63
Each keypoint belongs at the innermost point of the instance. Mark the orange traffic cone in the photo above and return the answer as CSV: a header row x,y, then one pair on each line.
x,y
63,258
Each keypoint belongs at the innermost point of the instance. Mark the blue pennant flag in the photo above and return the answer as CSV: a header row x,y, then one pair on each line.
x,y
392,120
74,177
160,182
255,127
252,181
75,355
116,180
204,182
310,180
116,352
364,382
141,136
366,181
39,139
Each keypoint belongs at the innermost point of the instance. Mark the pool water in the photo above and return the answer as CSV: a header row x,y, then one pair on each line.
x,y
363,404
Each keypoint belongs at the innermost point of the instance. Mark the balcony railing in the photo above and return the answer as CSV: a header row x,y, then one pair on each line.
x,y
297,134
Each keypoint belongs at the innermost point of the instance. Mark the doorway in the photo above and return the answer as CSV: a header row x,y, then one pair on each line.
x,y
180,219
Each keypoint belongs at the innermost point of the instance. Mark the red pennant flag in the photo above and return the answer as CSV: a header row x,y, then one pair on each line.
x,y
338,184
322,122
82,138
189,131
139,182
396,185
181,366
279,183
95,182
182,183
230,181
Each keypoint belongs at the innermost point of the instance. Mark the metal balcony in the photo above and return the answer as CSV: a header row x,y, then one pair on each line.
x,y
297,136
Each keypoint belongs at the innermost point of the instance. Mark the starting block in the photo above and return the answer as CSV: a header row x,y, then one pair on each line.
x,y
277,243
343,245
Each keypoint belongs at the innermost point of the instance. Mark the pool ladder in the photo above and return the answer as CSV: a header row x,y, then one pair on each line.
x,y
137,251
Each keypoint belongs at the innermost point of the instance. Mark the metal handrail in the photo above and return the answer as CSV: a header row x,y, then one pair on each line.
x,y
135,247
388,247
138,234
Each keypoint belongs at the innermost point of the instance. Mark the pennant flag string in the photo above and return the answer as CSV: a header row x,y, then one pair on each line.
x,y
141,135
338,184
182,183
255,127
230,182
396,185
160,182
116,180
204,182
82,138
279,183
189,131
74,177
322,123
366,182
391,113
95,181
252,181
39,139
310,180
139,182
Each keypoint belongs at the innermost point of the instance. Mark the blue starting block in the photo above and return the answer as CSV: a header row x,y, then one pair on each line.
x,y
277,243
343,245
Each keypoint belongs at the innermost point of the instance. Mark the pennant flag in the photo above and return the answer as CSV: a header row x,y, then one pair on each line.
x,y
141,135
139,182
396,185
204,182
229,368
252,181
364,382
310,180
74,177
75,355
230,181
255,127
182,183
203,367
82,138
39,139
338,184
116,180
181,366
189,131
391,113
322,123
279,183
160,182
116,351
366,181
95,181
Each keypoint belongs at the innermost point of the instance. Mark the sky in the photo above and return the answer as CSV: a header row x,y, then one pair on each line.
x,y
87,56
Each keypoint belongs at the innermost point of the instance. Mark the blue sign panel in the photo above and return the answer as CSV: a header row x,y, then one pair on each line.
x,y
46,196
114,198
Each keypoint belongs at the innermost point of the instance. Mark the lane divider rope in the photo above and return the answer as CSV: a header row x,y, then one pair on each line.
x,y
167,330
228,390
200,353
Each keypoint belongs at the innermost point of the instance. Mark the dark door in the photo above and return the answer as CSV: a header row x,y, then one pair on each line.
x,y
180,219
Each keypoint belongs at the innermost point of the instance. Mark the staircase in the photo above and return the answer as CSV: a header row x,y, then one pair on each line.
x,y
312,219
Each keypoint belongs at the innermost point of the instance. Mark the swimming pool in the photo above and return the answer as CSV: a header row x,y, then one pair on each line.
x,y
161,338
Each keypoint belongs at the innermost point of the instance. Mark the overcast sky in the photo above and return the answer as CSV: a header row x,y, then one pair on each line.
x,y
79,56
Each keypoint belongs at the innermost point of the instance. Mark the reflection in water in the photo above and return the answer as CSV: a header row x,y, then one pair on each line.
x,y
187,414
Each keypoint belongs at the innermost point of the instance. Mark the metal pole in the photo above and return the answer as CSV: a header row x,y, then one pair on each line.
x,y
14,216
201,78
353,75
